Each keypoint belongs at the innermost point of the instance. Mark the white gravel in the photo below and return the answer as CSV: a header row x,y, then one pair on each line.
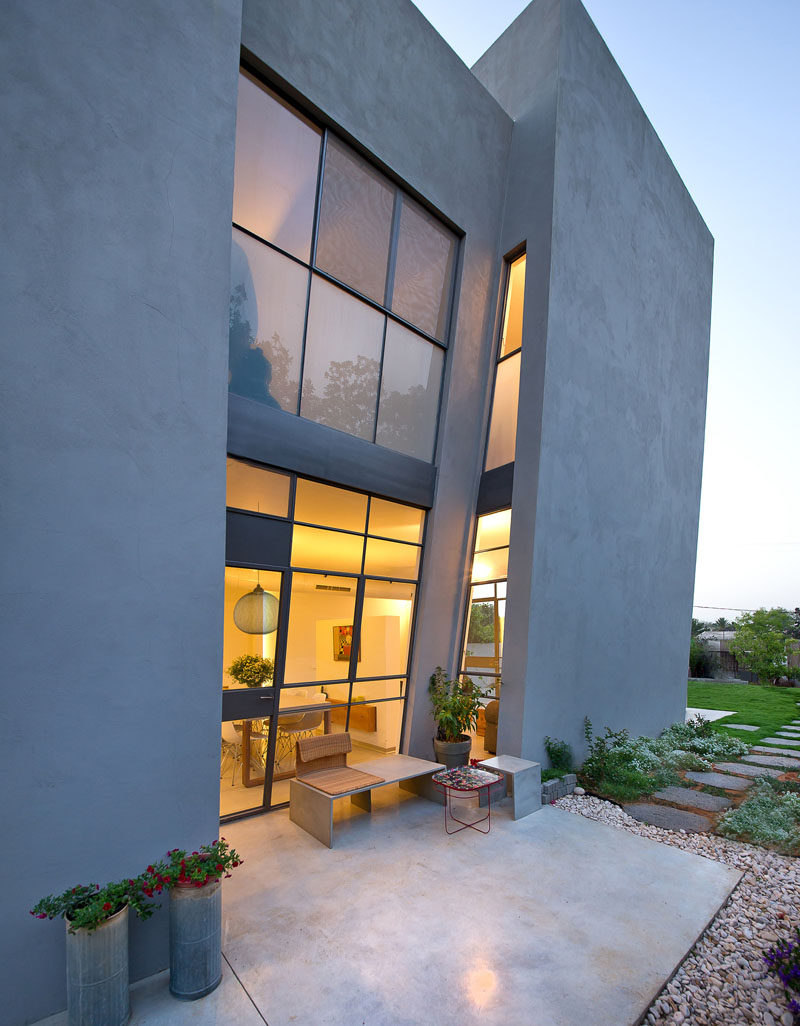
x,y
722,982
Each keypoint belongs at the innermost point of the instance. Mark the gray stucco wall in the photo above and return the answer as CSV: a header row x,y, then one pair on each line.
x,y
383,76
615,475
118,131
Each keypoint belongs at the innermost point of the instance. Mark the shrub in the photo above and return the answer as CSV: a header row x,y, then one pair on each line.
x,y
560,755
702,662
770,817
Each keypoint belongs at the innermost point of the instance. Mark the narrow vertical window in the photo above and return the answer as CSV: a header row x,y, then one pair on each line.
x,y
503,424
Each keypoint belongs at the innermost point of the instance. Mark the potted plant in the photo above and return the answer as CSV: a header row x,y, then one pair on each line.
x,y
97,946
456,704
195,915
251,671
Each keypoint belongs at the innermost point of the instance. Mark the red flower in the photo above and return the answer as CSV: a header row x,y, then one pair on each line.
x,y
235,864
106,906
220,867
150,869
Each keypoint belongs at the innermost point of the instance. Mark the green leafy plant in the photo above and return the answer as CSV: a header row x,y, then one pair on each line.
x,y
89,905
210,862
251,671
456,704
560,755
762,642
769,817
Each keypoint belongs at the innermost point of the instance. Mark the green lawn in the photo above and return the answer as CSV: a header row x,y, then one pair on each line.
x,y
765,707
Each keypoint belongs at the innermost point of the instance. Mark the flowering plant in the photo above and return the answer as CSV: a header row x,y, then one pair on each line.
x,y
90,905
251,670
784,961
211,862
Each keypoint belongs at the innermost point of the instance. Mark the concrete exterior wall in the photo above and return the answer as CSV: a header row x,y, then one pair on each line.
x,y
614,476
383,76
117,184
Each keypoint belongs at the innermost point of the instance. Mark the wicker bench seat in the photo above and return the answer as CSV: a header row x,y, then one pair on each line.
x,y
322,775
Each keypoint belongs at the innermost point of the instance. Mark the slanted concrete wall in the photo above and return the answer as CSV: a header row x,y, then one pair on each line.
x,y
614,476
118,132
383,76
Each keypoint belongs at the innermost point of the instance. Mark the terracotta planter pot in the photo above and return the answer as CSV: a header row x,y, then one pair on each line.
x,y
97,973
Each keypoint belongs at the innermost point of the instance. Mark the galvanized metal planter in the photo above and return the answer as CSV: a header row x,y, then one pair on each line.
x,y
453,753
97,973
195,940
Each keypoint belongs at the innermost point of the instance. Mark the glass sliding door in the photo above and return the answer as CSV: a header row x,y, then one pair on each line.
x,y
333,627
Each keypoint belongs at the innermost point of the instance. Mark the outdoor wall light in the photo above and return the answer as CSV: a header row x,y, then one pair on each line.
x,y
256,612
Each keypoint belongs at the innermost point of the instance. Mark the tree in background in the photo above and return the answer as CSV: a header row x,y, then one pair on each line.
x,y
762,642
698,626
722,624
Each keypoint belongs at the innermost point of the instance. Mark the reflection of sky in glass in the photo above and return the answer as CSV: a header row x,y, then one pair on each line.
x,y
268,301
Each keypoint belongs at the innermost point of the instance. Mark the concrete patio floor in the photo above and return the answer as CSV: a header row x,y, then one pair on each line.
x,y
553,920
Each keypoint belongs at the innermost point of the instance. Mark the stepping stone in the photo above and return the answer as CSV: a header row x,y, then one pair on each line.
x,y
789,730
740,726
788,734
720,780
779,741
773,760
747,771
670,819
775,751
795,721
689,799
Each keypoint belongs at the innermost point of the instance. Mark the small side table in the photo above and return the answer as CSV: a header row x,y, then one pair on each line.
x,y
523,782
466,782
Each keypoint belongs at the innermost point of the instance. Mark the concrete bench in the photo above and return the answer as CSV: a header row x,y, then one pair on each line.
x,y
312,809
523,782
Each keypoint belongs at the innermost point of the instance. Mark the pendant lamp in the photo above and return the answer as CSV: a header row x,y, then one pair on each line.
x,y
256,612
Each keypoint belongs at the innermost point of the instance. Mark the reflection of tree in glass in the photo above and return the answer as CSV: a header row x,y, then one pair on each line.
x,y
251,371
405,422
481,623
348,399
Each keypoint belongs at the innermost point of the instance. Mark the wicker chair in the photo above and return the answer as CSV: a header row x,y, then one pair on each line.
x,y
322,763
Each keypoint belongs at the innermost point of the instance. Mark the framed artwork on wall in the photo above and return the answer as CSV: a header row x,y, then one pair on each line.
x,y
343,644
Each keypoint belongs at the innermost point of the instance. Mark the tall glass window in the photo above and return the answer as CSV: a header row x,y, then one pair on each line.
x,y
483,644
339,305
340,610
501,446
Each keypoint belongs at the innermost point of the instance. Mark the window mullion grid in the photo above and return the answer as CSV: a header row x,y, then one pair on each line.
x,y
393,242
380,382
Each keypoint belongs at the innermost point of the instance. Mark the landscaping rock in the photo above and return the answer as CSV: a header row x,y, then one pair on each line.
x,y
720,780
669,819
773,760
578,791
780,741
746,770
689,799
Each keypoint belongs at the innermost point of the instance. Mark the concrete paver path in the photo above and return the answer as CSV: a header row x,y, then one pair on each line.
x,y
688,798
773,760
747,770
722,780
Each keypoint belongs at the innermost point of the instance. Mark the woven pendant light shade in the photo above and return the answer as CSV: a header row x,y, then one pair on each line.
x,y
256,612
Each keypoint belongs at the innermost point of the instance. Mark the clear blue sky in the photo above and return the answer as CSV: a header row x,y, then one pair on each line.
x,y
720,81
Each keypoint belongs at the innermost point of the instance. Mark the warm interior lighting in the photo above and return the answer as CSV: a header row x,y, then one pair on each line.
x,y
256,612
494,530
480,985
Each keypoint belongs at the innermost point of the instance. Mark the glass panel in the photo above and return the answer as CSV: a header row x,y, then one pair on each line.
x,y
378,690
375,726
391,559
243,753
343,353
385,629
326,550
488,566
424,270
330,507
484,644
236,643
257,489
412,372
355,222
275,174
393,520
320,620
267,312
503,427
511,337
494,530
